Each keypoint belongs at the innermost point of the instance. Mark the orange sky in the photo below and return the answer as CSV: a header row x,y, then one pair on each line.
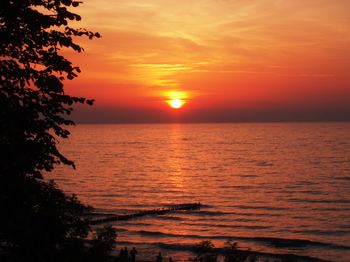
x,y
230,59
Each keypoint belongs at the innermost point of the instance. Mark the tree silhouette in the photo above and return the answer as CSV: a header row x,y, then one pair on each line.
x,y
38,222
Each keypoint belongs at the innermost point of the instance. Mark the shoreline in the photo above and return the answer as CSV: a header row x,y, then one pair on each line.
x,y
187,253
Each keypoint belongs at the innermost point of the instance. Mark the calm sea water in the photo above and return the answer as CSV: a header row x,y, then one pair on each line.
x,y
262,184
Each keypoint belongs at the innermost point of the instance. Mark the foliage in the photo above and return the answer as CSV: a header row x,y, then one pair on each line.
x,y
33,103
38,221
204,247
103,243
233,254
205,252
41,223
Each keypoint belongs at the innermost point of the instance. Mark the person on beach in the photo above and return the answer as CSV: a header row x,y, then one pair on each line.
x,y
126,255
133,253
121,255
159,257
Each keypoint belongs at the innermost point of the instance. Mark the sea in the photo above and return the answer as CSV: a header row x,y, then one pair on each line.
x,y
281,188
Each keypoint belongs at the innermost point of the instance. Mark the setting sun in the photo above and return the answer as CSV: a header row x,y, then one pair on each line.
x,y
176,103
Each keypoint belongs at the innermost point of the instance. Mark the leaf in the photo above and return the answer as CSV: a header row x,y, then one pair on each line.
x,y
90,101
75,3
66,2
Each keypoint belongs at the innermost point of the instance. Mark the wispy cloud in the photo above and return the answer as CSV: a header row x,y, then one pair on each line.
x,y
219,47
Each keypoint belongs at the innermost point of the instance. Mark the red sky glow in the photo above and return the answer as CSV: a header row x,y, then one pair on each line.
x,y
230,60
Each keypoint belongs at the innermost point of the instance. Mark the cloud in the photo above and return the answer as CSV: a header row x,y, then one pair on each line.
x,y
233,51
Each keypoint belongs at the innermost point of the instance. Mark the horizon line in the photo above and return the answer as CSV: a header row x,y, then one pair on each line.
x,y
211,122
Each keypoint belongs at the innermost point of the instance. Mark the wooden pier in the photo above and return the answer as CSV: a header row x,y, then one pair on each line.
x,y
159,211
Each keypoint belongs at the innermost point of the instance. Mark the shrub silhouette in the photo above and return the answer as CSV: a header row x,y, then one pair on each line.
x,y
205,252
38,222
233,254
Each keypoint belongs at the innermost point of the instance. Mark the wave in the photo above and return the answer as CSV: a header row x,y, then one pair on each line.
x,y
134,223
247,176
171,218
237,187
341,177
228,226
320,201
269,208
287,243
322,232
201,205
258,214
264,163
209,213
267,241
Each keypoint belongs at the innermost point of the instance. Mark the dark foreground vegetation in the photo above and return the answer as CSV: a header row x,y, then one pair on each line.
x,y
38,222
205,251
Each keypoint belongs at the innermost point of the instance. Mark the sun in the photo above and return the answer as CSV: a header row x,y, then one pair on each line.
x,y
176,103
176,99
